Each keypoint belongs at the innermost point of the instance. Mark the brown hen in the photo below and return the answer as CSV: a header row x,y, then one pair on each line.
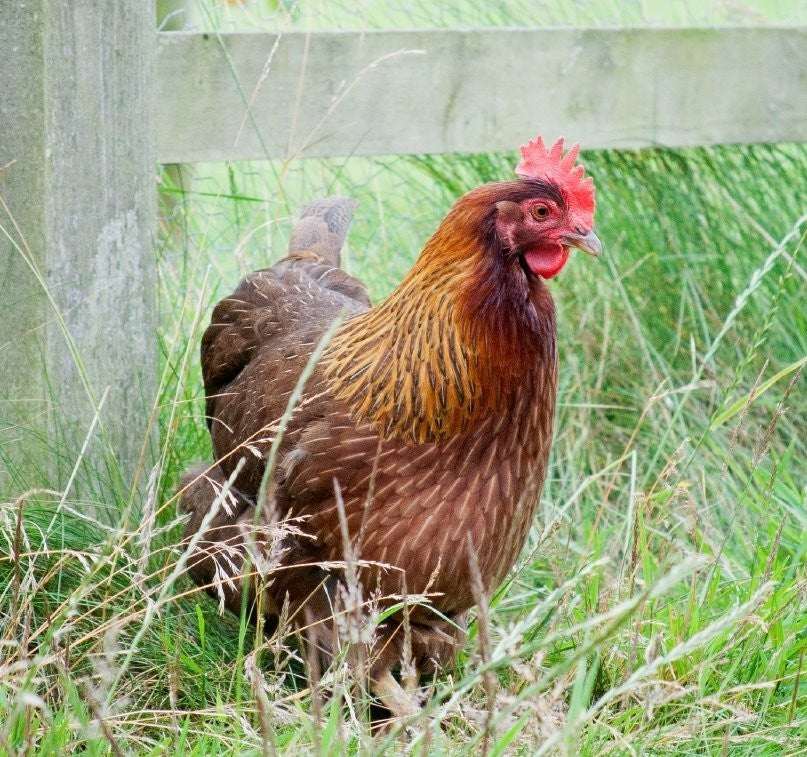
x,y
424,428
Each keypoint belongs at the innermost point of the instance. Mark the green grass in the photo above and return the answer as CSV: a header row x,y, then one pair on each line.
x,y
660,606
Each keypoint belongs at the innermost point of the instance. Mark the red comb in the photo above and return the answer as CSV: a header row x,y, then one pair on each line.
x,y
552,165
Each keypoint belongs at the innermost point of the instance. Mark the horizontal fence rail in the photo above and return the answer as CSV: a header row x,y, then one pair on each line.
x,y
263,95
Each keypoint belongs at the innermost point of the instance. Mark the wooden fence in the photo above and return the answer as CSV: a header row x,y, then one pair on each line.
x,y
390,92
93,98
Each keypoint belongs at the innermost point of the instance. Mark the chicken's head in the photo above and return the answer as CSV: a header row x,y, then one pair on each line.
x,y
552,212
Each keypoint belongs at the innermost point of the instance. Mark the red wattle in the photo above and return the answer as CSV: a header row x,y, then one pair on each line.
x,y
547,261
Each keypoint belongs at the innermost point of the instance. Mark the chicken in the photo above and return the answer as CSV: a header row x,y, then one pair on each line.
x,y
423,430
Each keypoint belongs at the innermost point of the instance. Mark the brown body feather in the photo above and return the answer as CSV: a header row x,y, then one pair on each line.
x,y
433,411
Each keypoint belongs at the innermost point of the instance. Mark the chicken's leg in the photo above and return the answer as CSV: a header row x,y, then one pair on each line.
x,y
392,695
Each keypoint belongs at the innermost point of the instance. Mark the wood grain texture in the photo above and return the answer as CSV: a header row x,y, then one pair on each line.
x,y
76,120
434,91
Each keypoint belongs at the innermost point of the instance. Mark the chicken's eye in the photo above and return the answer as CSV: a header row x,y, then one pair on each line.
x,y
540,212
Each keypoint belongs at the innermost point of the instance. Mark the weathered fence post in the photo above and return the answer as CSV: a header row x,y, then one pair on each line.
x,y
77,271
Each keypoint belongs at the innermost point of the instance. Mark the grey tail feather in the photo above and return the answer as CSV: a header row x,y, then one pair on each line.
x,y
322,227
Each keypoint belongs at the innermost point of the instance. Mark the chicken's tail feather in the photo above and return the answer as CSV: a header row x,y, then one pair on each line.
x,y
322,228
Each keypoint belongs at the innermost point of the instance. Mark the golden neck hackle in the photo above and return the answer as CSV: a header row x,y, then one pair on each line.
x,y
423,365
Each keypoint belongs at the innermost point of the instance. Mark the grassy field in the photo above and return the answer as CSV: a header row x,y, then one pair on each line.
x,y
660,606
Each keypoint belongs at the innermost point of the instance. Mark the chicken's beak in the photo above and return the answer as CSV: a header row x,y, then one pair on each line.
x,y
588,242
